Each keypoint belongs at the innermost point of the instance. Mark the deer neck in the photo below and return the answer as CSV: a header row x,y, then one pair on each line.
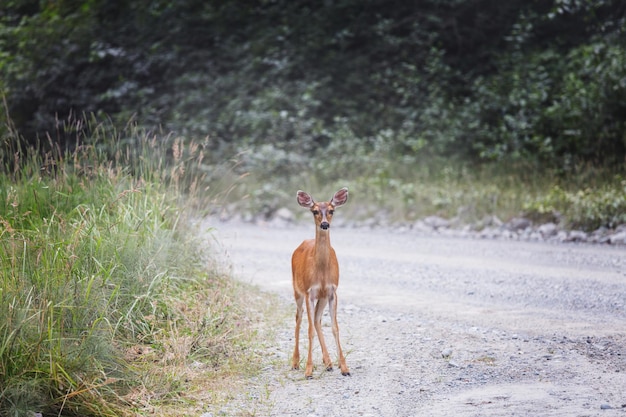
x,y
322,248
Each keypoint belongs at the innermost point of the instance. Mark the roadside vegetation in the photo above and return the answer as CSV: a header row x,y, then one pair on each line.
x,y
388,191
111,304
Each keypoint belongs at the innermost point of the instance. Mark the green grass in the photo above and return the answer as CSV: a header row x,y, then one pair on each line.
x,y
106,294
405,189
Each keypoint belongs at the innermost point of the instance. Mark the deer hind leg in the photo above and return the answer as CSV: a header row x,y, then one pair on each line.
x,y
332,306
319,311
295,361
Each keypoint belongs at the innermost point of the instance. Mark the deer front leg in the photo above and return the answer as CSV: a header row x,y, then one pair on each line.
x,y
319,311
295,361
332,306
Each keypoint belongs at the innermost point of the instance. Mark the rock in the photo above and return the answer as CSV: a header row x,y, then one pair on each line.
x,y
605,407
446,353
618,238
284,214
420,226
576,236
600,235
283,217
600,231
508,234
561,236
490,233
547,230
436,222
518,224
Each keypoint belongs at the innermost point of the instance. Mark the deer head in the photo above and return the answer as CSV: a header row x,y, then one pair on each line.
x,y
323,211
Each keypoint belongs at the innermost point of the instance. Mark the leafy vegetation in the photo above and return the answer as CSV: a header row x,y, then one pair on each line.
x,y
106,298
536,82
399,91
586,209
402,191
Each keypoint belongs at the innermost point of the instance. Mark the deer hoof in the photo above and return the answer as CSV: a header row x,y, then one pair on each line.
x,y
309,377
329,368
346,374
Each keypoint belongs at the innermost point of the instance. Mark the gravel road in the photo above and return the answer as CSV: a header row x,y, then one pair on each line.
x,y
444,326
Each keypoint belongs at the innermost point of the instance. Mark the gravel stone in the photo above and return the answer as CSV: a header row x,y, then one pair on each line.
x,y
547,230
618,238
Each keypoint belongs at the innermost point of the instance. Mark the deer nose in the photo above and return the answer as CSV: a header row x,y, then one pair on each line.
x,y
324,225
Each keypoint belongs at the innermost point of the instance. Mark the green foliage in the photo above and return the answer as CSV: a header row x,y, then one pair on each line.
x,y
94,260
64,288
586,209
557,109
464,79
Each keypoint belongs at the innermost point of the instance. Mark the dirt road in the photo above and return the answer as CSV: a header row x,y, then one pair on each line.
x,y
439,326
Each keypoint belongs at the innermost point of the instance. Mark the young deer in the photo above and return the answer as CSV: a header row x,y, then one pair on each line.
x,y
315,279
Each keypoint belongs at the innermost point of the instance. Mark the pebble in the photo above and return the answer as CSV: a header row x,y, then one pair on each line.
x,y
436,222
618,238
605,407
547,230
519,224
577,236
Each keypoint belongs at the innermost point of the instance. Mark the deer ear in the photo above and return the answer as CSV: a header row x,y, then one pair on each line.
x,y
304,199
340,197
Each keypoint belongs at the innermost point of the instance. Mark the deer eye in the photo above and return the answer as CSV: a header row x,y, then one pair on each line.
x,y
316,212
331,212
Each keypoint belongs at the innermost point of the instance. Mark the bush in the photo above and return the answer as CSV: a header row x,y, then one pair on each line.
x,y
469,80
585,209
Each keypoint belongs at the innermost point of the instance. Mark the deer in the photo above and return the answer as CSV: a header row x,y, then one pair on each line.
x,y
315,280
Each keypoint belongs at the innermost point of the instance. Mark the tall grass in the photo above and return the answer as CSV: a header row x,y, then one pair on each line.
x,y
95,258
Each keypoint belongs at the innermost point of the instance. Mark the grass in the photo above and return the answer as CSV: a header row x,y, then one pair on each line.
x,y
411,187
109,305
